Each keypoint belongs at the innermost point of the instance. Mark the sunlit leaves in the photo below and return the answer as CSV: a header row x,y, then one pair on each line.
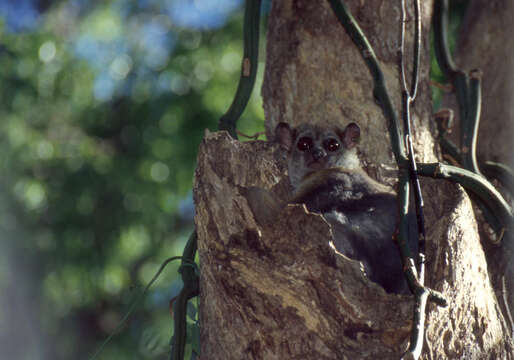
x,y
32,193
47,51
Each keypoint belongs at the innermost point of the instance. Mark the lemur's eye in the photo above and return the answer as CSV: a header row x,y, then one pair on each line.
x,y
331,144
304,144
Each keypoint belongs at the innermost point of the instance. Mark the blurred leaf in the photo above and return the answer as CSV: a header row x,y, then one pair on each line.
x,y
103,106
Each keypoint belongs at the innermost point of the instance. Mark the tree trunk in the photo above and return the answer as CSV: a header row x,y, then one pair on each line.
x,y
279,291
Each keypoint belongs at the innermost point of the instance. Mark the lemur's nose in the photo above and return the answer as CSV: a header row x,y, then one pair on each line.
x,y
318,153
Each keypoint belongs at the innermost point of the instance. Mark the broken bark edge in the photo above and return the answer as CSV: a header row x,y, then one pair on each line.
x,y
280,289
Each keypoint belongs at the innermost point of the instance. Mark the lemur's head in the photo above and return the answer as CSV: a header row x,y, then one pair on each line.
x,y
312,148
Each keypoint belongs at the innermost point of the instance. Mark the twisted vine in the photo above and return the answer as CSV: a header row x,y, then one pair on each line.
x,y
406,163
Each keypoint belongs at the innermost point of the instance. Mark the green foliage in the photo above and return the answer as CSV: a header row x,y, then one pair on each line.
x,y
455,15
100,128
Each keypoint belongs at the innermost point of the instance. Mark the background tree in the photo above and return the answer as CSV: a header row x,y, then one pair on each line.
x,y
277,290
103,105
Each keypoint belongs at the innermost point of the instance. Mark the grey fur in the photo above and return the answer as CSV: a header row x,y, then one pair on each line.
x,y
361,211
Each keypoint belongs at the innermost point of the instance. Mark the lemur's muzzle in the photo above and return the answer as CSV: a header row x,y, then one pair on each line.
x,y
318,153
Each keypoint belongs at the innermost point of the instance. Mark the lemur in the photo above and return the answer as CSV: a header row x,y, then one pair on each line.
x,y
327,177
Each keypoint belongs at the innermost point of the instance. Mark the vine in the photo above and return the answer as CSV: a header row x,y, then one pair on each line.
x,y
468,92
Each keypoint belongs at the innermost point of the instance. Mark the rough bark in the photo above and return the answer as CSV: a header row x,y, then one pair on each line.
x,y
280,291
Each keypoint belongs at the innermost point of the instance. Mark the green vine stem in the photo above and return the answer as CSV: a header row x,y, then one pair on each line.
x,y
415,347
458,78
490,169
471,122
248,68
382,95
496,210
442,50
380,92
191,289
467,89
500,172
477,184
132,307
408,98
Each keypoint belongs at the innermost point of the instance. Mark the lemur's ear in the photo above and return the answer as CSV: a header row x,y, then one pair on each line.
x,y
284,135
350,136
